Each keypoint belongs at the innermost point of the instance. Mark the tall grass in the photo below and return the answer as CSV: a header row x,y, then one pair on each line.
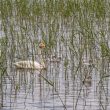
x,y
73,29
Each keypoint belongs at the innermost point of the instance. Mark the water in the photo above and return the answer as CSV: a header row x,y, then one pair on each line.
x,y
27,90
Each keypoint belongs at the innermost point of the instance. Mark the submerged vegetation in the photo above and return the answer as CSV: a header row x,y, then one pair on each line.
x,y
78,31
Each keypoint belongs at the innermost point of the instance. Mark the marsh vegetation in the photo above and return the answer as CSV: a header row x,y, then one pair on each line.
x,y
77,52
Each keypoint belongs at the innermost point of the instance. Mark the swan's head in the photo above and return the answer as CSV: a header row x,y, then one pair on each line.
x,y
42,44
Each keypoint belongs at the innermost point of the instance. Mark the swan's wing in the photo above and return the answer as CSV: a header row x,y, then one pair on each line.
x,y
31,64
21,64
28,64
24,64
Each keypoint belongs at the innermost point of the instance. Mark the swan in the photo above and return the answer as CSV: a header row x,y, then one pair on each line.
x,y
29,64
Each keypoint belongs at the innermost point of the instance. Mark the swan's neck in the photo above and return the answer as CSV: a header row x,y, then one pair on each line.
x,y
42,62
41,57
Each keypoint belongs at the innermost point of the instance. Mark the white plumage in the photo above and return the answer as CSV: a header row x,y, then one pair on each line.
x,y
29,65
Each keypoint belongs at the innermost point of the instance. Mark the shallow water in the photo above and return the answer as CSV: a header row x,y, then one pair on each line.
x,y
27,90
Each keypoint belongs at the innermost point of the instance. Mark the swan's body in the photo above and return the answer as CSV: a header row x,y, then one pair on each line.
x,y
29,65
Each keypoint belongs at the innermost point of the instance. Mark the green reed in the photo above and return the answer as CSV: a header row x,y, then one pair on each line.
x,y
80,28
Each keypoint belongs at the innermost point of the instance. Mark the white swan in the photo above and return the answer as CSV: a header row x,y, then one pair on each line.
x,y
29,64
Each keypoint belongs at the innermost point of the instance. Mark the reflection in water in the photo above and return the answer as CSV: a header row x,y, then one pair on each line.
x,y
25,88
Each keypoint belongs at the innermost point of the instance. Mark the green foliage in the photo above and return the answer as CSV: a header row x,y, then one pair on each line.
x,y
105,50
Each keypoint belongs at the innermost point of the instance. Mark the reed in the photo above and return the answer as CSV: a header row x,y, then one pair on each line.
x,y
76,30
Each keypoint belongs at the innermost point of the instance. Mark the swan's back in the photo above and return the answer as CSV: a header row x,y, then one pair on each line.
x,y
29,65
